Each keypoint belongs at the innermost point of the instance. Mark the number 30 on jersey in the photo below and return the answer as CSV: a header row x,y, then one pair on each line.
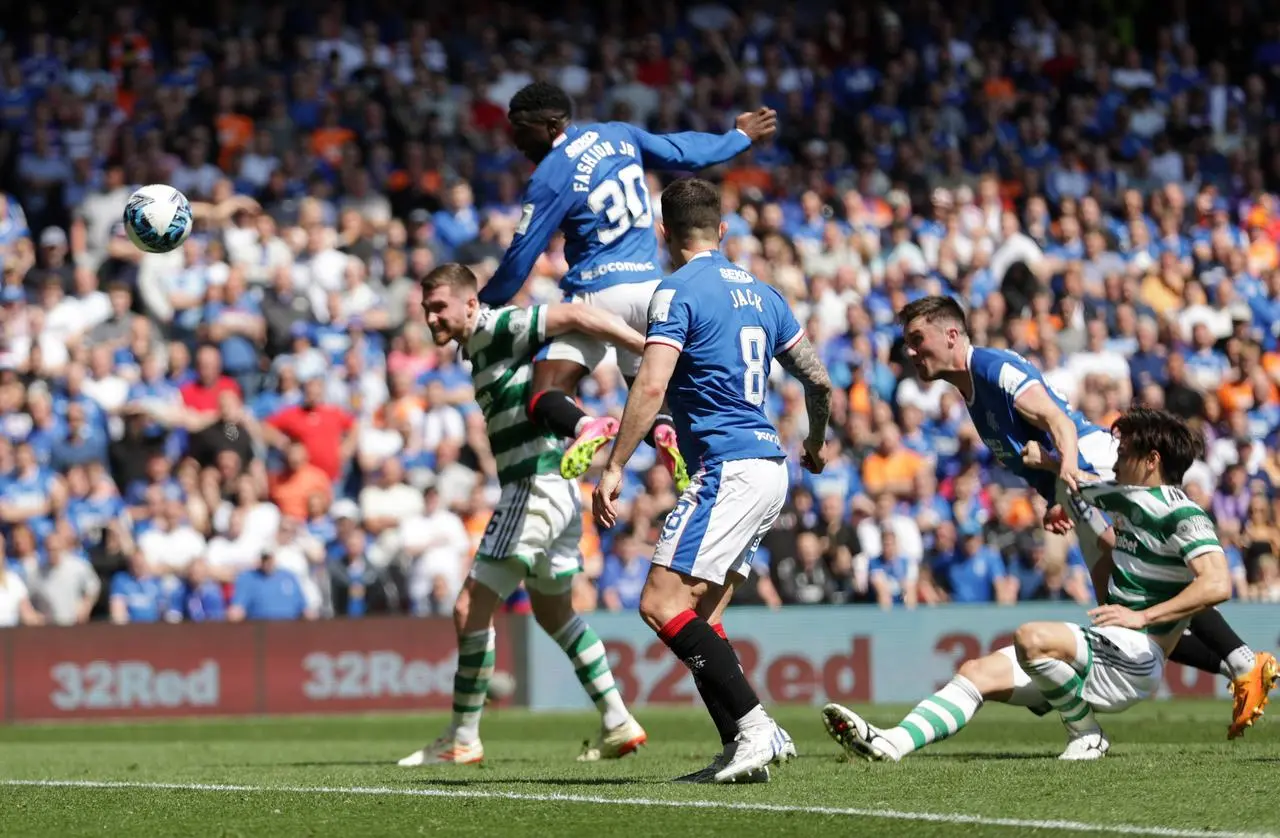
x,y
624,200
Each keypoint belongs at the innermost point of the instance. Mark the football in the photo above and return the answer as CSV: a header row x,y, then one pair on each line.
x,y
157,218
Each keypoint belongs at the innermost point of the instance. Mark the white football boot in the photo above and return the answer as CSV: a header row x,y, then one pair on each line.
x,y
755,748
857,736
445,751
615,743
708,774
1082,746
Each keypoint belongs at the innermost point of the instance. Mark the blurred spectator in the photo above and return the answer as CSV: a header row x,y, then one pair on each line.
x,y
268,593
325,431
435,546
624,574
893,575
976,573
64,587
358,585
138,595
15,602
804,579
300,485
202,599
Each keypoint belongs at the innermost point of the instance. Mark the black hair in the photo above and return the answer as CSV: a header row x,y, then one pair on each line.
x,y
541,97
1145,429
691,208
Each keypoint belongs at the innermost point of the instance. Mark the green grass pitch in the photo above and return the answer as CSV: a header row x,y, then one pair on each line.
x,y
1171,772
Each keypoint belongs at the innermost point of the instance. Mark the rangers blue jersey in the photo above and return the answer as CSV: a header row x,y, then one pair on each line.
x,y
592,188
999,377
728,326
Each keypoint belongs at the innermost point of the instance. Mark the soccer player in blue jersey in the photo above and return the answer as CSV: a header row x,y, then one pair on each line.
x,y
1012,406
590,185
713,330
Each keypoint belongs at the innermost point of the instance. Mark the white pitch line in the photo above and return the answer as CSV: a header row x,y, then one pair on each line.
x,y
884,814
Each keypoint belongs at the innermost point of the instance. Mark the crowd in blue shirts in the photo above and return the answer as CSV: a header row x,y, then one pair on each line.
x,y
256,425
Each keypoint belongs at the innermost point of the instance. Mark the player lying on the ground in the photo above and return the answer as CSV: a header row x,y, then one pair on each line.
x,y
590,183
713,330
1166,565
533,535
1012,407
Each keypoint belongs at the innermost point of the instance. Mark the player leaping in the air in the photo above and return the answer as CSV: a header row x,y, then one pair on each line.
x,y
590,184
713,330
534,533
1166,566
1011,406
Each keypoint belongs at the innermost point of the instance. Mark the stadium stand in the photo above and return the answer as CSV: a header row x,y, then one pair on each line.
x,y
1096,181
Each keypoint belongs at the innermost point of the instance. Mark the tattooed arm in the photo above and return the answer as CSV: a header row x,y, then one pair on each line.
x,y
802,362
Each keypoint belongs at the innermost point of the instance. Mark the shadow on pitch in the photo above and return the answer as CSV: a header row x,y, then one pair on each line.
x,y
336,763
543,781
982,756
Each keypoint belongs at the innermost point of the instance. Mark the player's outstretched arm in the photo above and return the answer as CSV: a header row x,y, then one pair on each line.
x,y
804,365
541,214
563,318
697,150
1037,408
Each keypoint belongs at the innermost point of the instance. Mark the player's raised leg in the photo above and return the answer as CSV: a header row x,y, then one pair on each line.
x,y
620,733
473,622
1057,657
560,368
1253,675
995,677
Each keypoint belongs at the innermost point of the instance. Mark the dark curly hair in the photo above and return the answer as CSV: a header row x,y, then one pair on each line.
x,y
1143,430
540,98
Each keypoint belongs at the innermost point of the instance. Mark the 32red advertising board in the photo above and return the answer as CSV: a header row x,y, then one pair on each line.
x,y
120,671
158,671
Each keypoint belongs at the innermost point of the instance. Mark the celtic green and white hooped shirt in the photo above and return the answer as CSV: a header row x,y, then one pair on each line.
x,y
1159,531
501,351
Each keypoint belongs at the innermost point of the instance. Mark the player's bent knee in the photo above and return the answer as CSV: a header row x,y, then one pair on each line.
x,y
655,609
1032,640
473,610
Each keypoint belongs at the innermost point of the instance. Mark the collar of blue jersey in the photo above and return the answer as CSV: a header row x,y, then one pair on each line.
x,y
569,131
702,253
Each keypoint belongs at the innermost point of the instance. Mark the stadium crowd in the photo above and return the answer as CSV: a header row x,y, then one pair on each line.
x,y
257,425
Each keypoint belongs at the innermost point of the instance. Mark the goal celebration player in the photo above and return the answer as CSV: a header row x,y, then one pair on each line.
x,y
1011,406
1165,565
713,330
590,184
535,530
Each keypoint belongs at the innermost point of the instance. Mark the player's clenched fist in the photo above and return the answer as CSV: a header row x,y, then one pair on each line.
x,y
814,458
759,124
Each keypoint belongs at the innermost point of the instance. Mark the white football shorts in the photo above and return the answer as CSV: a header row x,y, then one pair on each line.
x,y
1121,667
533,537
630,301
718,522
